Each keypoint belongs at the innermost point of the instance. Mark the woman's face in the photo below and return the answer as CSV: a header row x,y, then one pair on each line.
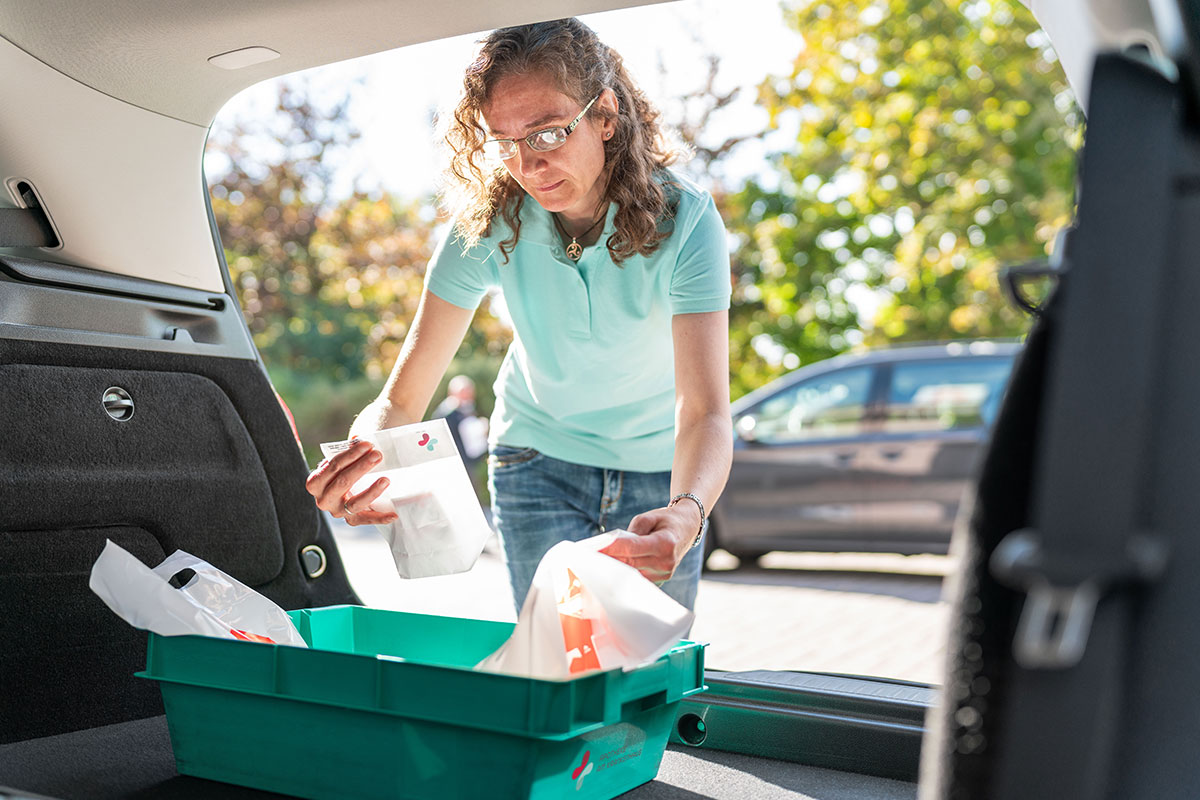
x,y
568,180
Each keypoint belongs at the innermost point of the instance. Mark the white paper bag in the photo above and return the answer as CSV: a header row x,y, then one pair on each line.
x,y
440,528
587,611
210,603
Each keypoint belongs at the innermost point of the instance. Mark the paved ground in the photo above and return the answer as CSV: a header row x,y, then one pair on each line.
x,y
838,612
842,612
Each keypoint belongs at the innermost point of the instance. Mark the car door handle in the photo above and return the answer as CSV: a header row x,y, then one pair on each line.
x,y
891,455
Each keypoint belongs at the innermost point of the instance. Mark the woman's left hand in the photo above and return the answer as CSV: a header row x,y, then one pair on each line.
x,y
657,540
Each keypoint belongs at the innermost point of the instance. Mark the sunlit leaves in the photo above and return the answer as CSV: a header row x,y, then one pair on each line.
x,y
329,284
935,142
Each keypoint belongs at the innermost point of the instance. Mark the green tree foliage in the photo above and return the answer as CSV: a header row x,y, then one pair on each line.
x,y
934,143
329,285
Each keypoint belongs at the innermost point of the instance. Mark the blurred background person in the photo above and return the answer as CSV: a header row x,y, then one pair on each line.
x,y
468,428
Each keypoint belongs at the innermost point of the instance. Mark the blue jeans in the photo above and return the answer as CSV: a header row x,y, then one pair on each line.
x,y
539,501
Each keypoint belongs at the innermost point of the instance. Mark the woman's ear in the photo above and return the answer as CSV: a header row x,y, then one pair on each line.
x,y
608,103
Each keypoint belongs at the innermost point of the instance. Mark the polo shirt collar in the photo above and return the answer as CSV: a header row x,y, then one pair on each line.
x,y
537,226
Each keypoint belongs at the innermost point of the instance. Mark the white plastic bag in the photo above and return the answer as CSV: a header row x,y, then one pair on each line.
x,y
210,603
587,611
440,528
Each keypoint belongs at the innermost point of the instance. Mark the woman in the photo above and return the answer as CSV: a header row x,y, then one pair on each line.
x,y
612,404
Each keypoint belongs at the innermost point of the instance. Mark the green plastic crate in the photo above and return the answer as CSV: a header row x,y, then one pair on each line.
x,y
386,705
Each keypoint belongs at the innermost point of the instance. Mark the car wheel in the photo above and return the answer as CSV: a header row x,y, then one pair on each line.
x,y
748,557
710,544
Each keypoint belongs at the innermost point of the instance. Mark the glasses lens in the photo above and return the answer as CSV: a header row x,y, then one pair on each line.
x,y
499,149
547,139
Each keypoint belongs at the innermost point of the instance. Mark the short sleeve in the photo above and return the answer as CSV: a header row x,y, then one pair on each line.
x,y
700,281
460,277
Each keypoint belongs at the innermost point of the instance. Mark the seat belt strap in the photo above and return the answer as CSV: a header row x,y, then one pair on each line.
x,y
1088,543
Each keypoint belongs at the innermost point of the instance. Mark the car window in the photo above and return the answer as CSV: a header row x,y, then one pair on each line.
x,y
947,395
825,407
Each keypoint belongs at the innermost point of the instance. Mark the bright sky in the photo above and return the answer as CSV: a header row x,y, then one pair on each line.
x,y
401,88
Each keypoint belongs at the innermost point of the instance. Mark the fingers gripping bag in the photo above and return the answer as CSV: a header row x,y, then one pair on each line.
x,y
587,611
440,528
186,595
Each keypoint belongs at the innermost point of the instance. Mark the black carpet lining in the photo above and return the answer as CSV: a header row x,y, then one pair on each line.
x,y
207,464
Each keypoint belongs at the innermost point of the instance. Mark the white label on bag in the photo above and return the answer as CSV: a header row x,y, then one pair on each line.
x,y
406,446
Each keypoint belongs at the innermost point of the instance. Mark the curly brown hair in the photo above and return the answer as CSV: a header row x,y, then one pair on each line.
x,y
582,67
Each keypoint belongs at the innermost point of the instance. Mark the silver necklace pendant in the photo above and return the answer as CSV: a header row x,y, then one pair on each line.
x,y
574,250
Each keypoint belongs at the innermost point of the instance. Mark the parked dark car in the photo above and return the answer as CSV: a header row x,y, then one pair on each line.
x,y
867,452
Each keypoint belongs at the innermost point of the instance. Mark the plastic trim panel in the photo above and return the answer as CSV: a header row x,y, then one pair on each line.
x,y
69,305
863,725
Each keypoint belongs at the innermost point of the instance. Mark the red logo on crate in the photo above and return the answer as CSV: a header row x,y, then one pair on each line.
x,y
582,770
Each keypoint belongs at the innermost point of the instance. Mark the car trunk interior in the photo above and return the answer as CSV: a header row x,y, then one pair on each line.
x,y
201,458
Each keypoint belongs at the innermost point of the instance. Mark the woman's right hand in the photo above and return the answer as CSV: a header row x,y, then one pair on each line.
x,y
331,481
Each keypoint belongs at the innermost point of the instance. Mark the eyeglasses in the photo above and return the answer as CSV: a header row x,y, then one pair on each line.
x,y
542,141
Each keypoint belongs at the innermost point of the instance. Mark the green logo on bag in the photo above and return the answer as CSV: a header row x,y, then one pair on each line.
x,y
426,442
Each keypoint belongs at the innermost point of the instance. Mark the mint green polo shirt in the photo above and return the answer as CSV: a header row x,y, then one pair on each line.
x,y
590,375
